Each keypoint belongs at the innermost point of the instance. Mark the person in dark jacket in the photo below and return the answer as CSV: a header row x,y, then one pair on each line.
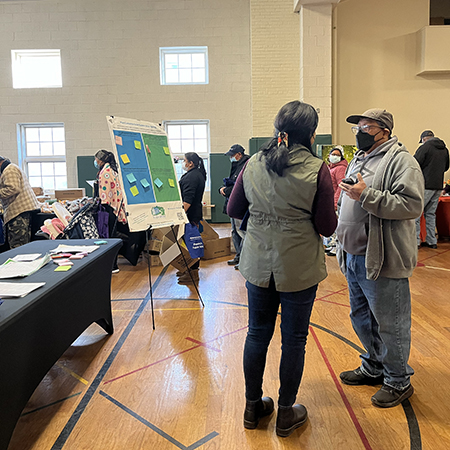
x,y
238,159
192,186
433,159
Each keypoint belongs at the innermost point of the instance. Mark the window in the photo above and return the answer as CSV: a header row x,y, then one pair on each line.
x,y
188,136
36,69
42,154
183,65
439,12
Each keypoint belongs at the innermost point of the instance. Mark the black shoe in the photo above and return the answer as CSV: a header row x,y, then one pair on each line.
x,y
357,378
233,261
424,244
236,267
254,411
387,397
289,419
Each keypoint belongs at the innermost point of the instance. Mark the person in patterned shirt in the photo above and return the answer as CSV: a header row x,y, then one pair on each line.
x,y
18,201
108,189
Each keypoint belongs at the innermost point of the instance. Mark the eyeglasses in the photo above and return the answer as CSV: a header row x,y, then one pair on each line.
x,y
365,128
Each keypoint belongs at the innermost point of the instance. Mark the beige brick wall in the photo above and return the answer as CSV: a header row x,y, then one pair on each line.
x,y
275,41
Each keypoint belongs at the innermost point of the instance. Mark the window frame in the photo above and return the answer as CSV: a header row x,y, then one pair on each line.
x,y
17,55
203,155
163,51
24,159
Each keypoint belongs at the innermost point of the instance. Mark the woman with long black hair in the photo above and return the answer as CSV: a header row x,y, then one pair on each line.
x,y
107,188
288,193
192,186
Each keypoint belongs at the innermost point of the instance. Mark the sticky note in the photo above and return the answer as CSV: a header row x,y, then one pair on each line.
x,y
118,140
148,149
131,178
62,268
100,242
166,150
125,158
134,191
145,183
137,144
158,182
171,182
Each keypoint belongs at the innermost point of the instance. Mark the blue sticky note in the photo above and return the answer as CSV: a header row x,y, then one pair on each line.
x,y
100,242
158,183
131,178
145,183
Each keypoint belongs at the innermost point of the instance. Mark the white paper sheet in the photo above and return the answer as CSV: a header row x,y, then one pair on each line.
x,y
62,248
29,257
13,269
17,290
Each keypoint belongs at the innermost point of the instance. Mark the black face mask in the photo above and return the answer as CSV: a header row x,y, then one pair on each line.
x,y
364,141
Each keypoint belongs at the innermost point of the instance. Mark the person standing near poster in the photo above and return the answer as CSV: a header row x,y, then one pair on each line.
x,y
192,186
238,158
107,188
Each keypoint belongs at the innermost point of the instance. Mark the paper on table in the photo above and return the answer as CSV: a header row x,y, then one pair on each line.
x,y
74,248
90,183
16,290
29,257
62,268
14,269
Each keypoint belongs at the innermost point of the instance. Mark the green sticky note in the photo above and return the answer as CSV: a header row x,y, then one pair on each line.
x,y
62,268
145,183
134,191
137,144
166,150
131,178
158,183
171,182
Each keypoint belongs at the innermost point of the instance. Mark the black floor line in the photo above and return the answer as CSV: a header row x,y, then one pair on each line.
x,y
158,430
70,425
50,404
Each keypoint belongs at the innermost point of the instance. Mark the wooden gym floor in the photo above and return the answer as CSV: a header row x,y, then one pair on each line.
x,y
181,386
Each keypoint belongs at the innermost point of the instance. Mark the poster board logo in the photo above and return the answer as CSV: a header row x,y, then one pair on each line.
x,y
158,211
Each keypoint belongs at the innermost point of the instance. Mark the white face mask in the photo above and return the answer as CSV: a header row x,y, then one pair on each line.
x,y
233,159
334,159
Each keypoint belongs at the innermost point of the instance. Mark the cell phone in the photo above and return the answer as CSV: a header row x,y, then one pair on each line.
x,y
349,181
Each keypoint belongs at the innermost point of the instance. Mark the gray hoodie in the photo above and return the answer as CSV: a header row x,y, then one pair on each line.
x,y
393,201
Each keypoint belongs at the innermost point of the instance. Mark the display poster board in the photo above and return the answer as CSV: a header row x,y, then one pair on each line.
x,y
152,195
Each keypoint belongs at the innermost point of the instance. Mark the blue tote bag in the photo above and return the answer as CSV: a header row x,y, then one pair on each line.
x,y
193,241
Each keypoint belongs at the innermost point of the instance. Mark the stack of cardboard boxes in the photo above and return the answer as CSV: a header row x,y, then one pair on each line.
x,y
164,249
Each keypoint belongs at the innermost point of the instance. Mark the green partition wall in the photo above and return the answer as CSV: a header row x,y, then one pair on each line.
x,y
86,171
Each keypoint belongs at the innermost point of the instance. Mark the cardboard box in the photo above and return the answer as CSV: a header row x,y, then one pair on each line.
x,y
38,191
215,247
170,251
154,246
70,194
155,261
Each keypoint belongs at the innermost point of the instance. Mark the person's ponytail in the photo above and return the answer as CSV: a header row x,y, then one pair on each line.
x,y
197,161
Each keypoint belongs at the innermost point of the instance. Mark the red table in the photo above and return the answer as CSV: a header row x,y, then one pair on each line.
x,y
443,217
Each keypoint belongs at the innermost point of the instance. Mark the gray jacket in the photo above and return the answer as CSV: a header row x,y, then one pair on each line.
x,y
393,202
281,239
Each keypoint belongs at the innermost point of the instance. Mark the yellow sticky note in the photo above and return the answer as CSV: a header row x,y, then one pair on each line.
x,y
166,150
134,191
171,182
62,268
125,158
137,144
119,140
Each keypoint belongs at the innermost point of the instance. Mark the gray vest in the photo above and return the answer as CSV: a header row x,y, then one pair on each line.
x,y
281,239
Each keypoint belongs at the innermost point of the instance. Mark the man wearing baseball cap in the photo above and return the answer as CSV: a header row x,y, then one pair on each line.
x,y
382,195
433,159
238,158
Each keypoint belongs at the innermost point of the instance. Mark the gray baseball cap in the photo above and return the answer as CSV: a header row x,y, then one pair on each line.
x,y
381,115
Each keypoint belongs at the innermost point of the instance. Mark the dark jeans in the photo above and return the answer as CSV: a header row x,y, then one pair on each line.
x,y
296,310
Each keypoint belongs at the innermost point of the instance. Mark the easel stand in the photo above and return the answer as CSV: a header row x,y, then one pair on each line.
x,y
147,232
187,267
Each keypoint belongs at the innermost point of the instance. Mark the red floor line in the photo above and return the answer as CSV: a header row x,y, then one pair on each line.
x,y
172,356
434,256
203,344
332,293
329,301
341,392
152,364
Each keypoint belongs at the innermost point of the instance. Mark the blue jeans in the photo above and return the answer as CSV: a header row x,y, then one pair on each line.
x,y
430,204
296,310
381,317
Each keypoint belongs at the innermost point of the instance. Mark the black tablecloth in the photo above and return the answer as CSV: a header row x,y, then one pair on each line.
x,y
37,329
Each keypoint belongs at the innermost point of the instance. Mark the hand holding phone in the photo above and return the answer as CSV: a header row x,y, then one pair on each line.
x,y
349,181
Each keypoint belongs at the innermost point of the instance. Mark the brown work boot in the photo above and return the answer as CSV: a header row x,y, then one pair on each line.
x,y
254,411
186,278
290,418
387,397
